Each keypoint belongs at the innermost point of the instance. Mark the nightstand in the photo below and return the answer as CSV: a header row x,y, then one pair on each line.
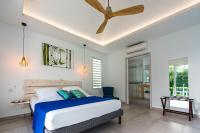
x,y
20,102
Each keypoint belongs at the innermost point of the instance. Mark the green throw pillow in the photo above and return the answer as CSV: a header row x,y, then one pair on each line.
x,y
64,94
70,94
77,93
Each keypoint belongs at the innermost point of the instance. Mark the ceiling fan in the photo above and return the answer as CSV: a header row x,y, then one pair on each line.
x,y
108,13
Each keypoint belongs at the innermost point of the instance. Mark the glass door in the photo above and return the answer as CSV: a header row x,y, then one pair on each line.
x,y
139,79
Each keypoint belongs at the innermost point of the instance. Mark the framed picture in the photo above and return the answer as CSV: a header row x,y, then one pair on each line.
x,y
57,57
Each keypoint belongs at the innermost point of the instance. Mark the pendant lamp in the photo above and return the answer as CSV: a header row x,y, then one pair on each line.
x,y
23,61
84,67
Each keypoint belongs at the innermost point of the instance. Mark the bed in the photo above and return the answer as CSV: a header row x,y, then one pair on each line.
x,y
73,119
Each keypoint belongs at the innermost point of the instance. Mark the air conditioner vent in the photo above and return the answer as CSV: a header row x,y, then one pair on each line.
x,y
138,47
135,44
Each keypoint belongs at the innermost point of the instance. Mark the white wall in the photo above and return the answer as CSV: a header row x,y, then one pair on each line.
x,y
184,43
116,73
180,44
12,75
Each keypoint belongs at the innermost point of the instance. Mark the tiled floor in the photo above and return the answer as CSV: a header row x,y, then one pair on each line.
x,y
136,119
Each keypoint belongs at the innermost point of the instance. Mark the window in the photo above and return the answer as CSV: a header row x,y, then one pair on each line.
x,y
178,77
96,73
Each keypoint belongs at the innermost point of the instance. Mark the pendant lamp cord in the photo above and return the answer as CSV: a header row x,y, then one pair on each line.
x,y
84,54
23,39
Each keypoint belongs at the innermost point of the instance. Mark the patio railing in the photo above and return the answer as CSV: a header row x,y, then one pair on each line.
x,y
180,91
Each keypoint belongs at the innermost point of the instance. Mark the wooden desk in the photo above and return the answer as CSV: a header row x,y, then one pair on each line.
x,y
189,113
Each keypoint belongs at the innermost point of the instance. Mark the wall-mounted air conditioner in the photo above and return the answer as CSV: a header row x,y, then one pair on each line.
x,y
136,49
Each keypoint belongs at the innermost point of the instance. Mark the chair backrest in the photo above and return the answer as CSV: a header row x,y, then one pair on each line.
x,y
108,91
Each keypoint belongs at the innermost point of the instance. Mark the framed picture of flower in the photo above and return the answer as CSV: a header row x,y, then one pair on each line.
x,y
57,57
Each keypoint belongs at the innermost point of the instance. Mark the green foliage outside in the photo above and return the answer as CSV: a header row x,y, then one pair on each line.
x,y
181,79
171,79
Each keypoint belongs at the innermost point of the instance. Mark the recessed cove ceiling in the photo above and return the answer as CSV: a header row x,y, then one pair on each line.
x,y
80,19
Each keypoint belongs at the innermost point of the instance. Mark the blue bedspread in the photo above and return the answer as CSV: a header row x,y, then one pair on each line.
x,y
41,109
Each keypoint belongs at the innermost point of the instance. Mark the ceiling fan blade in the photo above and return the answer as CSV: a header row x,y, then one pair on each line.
x,y
129,11
97,5
102,26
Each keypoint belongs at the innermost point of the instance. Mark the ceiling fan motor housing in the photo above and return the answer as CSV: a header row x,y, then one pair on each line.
x,y
108,12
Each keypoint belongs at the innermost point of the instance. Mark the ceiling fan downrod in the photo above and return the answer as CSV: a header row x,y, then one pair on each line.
x,y
108,3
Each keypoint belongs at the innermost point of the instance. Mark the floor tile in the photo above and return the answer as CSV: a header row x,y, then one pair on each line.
x,y
136,119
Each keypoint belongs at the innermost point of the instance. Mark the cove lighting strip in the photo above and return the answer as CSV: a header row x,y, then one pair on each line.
x,y
104,43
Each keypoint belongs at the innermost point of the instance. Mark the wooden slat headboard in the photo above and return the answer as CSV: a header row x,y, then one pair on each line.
x,y
31,84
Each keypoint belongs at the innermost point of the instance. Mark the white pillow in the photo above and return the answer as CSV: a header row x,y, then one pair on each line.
x,y
69,88
48,94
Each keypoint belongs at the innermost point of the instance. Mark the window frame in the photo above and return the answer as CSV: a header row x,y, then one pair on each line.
x,y
184,62
100,73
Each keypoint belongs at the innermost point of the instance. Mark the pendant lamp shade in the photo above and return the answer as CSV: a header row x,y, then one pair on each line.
x,y
23,62
84,69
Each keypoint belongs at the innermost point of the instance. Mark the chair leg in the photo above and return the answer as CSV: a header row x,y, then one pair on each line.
x,y
120,120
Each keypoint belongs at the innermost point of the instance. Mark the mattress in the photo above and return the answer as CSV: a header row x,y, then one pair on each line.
x,y
69,116
33,101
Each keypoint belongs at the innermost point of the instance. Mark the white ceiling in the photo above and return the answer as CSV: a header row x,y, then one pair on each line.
x,y
76,21
78,17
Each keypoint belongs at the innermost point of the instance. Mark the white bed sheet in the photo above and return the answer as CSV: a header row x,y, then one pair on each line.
x,y
33,101
68,116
